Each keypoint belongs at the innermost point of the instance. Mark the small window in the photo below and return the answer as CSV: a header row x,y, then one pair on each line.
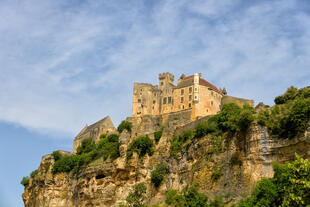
x,y
189,105
207,110
154,102
139,100
165,100
211,93
195,97
153,107
196,89
182,99
182,91
190,90
141,89
183,107
161,83
190,97
169,100
211,103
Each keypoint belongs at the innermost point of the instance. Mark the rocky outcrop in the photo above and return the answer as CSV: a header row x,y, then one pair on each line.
x,y
229,167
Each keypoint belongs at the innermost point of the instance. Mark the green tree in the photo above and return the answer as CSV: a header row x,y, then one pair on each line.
x,y
158,174
142,145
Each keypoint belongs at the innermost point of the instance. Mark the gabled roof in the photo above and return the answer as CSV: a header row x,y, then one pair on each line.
x,y
106,122
189,80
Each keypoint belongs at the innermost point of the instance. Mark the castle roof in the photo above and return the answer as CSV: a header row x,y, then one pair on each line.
x,y
189,80
105,122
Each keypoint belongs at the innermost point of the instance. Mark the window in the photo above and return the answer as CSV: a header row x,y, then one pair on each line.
x,y
182,99
139,100
189,105
141,89
169,100
195,97
196,89
153,107
182,91
165,100
154,102
161,83
190,97
211,93
183,107
190,90
211,103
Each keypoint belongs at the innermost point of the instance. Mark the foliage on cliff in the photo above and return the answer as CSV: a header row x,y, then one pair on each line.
x,y
107,147
232,119
124,125
291,114
158,174
290,186
141,146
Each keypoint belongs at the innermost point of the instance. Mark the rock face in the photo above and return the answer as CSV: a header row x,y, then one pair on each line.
x,y
228,167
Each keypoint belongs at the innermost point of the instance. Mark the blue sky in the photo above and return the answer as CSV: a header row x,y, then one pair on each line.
x,y
65,63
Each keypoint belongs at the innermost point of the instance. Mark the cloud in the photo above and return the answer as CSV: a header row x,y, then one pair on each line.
x,y
67,64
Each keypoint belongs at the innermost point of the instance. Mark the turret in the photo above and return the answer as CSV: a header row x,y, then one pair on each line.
x,y
165,79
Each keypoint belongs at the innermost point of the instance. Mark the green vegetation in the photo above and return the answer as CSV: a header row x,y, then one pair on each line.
x,y
124,125
291,114
157,135
34,173
290,186
137,197
232,119
25,181
187,198
216,174
141,146
107,147
158,174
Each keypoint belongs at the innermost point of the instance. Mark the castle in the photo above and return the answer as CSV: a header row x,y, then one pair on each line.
x,y
191,99
191,93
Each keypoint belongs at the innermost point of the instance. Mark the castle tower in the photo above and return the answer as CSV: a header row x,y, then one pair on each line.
x,y
165,80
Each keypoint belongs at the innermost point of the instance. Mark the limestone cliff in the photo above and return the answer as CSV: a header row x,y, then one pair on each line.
x,y
238,161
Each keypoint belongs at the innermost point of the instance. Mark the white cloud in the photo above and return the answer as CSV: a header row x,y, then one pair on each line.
x,y
66,65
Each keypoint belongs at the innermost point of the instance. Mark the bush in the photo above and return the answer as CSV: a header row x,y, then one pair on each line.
x,y
25,181
290,186
187,198
175,147
217,202
124,125
34,173
158,174
107,147
287,120
136,197
157,135
87,145
216,174
56,155
141,146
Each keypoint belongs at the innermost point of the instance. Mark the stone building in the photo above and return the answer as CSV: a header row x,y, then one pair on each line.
x,y
191,93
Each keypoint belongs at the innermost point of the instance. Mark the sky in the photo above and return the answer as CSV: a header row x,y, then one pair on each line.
x,y
67,63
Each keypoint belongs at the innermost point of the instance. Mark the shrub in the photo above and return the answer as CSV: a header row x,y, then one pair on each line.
x,y
124,125
136,197
141,145
188,197
158,174
175,147
217,202
87,145
25,181
34,173
287,120
157,135
290,186
56,155
107,147
216,174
